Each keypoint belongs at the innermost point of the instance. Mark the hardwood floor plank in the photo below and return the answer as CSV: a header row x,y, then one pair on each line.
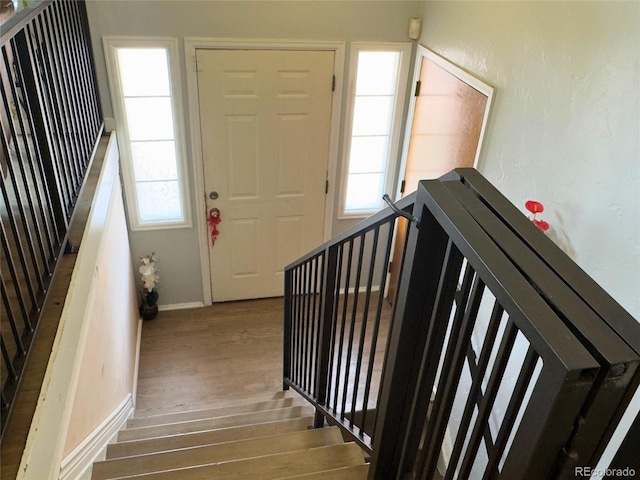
x,y
200,356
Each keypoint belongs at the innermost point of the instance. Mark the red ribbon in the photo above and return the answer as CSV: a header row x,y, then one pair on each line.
x,y
213,220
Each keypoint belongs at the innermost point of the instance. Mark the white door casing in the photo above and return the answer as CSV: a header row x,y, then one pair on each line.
x,y
265,121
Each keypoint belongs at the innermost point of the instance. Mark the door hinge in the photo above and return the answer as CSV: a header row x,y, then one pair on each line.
x,y
333,84
417,92
402,185
326,187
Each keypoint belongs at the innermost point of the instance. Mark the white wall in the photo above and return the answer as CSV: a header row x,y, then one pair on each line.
x,y
90,378
291,20
565,125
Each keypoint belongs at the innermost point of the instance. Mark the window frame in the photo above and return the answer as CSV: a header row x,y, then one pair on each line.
x,y
395,137
111,46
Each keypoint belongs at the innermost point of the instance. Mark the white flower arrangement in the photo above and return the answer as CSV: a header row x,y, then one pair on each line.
x,y
149,272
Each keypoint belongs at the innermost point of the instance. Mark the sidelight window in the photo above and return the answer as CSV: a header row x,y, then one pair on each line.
x,y
145,92
372,142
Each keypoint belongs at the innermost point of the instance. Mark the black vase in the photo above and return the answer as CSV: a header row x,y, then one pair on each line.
x,y
148,312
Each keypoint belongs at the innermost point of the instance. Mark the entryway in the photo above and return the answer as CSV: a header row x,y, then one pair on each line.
x,y
265,125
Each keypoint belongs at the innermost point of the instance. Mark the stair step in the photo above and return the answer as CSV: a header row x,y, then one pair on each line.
x,y
224,452
214,412
270,467
151,412
213,423
207,437
356,472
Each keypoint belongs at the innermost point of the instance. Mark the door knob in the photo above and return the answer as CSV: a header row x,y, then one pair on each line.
x,y
213,195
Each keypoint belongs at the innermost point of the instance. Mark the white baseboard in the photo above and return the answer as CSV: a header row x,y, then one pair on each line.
x,y
77,465
180,306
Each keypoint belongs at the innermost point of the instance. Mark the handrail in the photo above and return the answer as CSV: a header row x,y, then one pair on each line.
x,y
20,19
550,365
366,225
52,124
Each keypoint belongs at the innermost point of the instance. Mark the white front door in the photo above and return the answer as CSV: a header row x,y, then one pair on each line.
x,y
265,124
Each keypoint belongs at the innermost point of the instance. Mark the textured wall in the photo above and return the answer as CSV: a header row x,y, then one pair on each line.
x,y
565,124
294,20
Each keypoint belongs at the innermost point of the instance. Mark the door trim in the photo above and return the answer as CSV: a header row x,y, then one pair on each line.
x,y
456,71
190,46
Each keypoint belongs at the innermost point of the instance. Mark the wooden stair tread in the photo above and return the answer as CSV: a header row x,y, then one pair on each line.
x,y
218,453
214,412
206,437
213,423
152,412
356,472
270,467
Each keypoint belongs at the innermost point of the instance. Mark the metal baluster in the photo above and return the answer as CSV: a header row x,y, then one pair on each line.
x,y
89,65
62,98
287,344
354,308
14,277
300,330
475,390
510,414
334,328
7,360
64,69
363,327
23,215
306,315
55,113
452,361
12,322
42,156
376,328
80,106
28,159
343,322
439,299
314,327
74,104
497,372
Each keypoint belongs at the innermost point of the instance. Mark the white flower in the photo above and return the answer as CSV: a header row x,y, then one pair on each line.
x,y
148,271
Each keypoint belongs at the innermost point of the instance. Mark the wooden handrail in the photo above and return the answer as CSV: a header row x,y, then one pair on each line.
x,y
20,19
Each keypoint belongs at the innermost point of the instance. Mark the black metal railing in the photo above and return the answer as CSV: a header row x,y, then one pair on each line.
x,y
51,122
502,358
338,322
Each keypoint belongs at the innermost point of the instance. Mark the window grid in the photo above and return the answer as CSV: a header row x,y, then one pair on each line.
x,y
142,76
375,97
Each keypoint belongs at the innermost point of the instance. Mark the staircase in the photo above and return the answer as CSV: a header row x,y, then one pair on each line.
x,y
267,437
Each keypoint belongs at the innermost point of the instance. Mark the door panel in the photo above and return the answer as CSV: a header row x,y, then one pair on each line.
x,y
265,124
445,134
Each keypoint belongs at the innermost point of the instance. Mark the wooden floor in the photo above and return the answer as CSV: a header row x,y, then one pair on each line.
x,y
205,355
